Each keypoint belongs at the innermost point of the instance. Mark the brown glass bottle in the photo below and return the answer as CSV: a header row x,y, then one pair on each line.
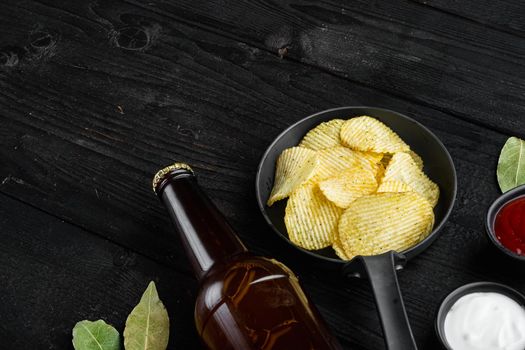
x,y
245,301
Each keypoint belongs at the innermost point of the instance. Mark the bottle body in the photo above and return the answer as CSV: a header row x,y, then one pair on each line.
x,y
256,303
245,302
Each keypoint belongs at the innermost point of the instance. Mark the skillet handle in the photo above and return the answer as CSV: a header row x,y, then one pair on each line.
x,y
381,271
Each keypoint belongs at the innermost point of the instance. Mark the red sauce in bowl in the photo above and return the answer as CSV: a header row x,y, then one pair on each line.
x,y
510,226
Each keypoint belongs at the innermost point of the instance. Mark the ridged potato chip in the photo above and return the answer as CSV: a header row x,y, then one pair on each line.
x,y
382,222
417,159
337,246
336,159
370,135
294,167
324,135
371,160
372,157
348,185
394,186
310,219
403,168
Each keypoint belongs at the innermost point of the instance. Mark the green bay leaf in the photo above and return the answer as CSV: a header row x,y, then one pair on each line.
x,y
96,335
511,164
148,325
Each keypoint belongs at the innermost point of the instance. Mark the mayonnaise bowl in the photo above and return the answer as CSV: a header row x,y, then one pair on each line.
x,y
482,316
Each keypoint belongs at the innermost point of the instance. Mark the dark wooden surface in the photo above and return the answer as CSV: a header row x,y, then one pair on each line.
x,y
95,96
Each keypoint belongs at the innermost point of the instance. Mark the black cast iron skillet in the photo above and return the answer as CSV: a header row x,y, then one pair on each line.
x,y
379,269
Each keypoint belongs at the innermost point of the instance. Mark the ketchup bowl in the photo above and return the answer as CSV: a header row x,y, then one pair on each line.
x,y
494,231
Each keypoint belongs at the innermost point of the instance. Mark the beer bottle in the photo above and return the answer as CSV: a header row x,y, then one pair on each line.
x,y
245,301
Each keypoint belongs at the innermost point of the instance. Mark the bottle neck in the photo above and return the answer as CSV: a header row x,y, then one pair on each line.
x,y
206,235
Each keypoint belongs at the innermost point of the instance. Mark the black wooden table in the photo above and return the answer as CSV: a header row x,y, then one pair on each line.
x,y
95,96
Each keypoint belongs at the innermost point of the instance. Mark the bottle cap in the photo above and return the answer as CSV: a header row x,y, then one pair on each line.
x,y
159,176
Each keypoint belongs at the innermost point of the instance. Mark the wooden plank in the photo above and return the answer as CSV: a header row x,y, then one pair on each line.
x,y
194,96
54,274
501,15
410,51
68,149
50,267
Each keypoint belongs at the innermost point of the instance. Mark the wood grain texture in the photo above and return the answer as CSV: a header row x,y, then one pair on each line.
x,y
96,96
504,15
408,50
55,274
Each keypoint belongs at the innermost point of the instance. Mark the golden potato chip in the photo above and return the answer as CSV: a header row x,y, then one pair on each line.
x,y
372,161
348,185
386,159
368,161
382,222
394,186
336,159
310,219
372,157
295,166
370,135
403,168
337,246
417,159
324,135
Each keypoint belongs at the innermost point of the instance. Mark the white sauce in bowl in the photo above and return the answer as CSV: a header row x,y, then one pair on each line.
x,y
485,321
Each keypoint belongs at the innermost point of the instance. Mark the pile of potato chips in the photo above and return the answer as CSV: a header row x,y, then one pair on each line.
x,y
354,185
